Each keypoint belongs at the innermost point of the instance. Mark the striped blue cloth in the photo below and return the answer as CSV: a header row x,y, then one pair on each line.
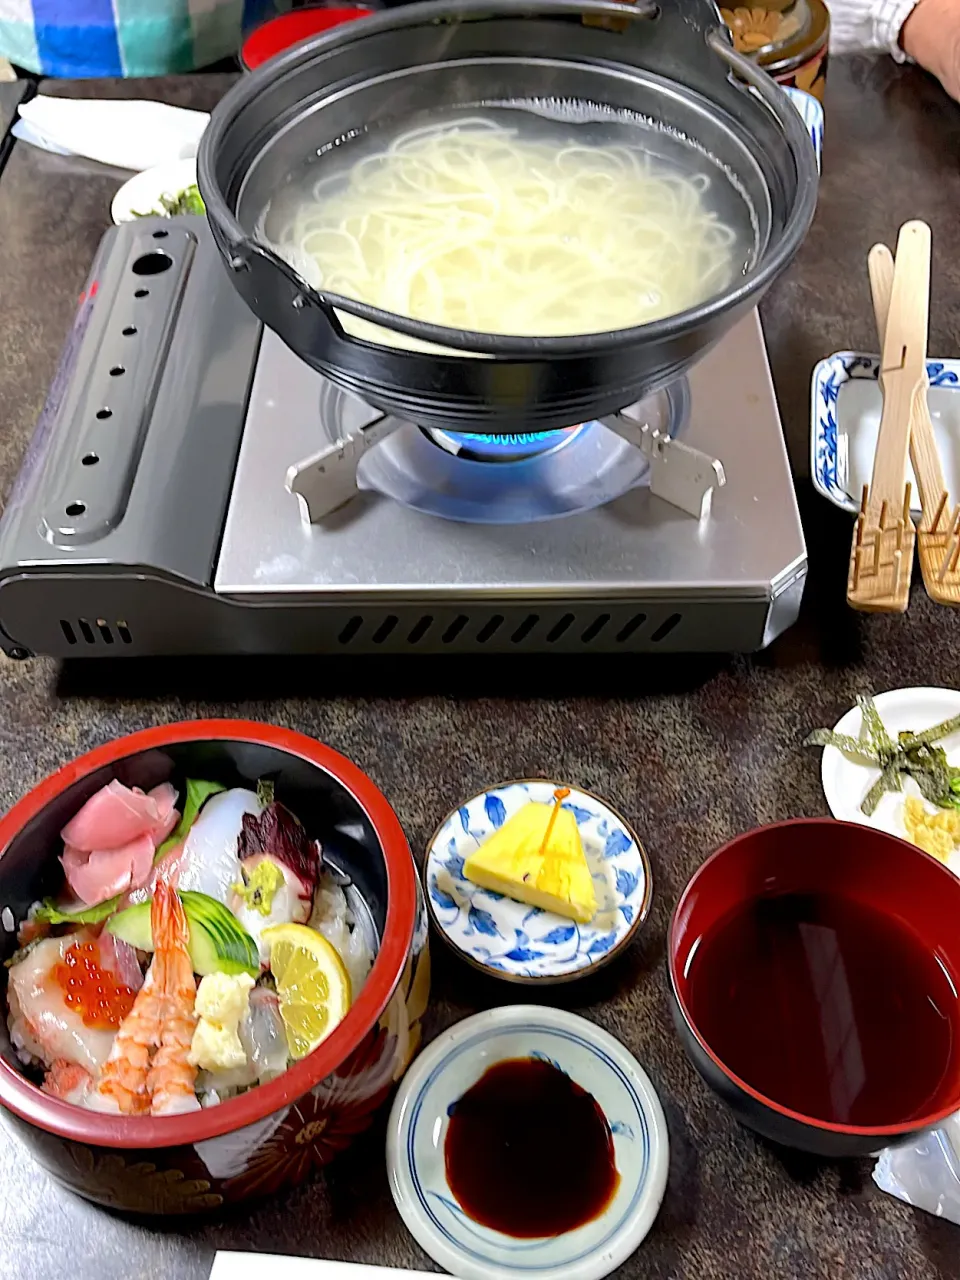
x,y
79,38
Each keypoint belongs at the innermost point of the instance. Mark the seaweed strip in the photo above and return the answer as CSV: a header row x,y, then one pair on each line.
x,y
912,753
877,734
843,742
889,780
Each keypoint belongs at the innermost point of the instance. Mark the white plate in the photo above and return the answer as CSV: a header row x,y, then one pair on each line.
x,y
525,944
143,191
595,1061
846,781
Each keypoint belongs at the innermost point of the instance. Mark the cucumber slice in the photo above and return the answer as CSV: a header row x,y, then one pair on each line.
x,y
132,925
218,942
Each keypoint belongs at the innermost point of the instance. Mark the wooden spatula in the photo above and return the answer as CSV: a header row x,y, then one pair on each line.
x,y
938,538
881,559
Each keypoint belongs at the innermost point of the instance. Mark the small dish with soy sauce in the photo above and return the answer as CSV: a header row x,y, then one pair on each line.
x,y
527,1139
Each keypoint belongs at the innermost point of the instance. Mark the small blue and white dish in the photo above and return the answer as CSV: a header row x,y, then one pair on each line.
x,y
594,1060
811,112
845,405
526,944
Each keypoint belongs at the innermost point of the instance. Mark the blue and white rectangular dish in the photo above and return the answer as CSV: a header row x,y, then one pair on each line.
x,y
845,404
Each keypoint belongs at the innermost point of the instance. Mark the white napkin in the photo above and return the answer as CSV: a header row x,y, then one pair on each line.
x,y
254,1266
128,134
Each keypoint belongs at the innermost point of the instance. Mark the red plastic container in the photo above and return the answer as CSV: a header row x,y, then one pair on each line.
x,y
290,28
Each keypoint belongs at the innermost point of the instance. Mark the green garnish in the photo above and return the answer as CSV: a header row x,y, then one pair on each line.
x,y
187,201
50,913
198,793
259,888
913,754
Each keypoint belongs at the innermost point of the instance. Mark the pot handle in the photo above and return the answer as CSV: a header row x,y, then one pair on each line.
x,y
683,34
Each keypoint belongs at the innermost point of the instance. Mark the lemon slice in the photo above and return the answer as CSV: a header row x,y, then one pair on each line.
x,y
312,984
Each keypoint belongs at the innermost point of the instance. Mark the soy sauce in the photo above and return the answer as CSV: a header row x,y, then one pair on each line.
x,y
829,1007
528,1152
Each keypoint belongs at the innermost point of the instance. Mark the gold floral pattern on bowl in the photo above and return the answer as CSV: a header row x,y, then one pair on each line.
x,y
753,29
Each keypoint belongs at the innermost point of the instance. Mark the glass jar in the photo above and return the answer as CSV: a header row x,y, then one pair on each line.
x,y
788,38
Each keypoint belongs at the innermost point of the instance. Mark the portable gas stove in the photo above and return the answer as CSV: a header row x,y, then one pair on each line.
x,y
193,487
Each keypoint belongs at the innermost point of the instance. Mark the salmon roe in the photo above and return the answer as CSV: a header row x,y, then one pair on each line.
x,y
90,991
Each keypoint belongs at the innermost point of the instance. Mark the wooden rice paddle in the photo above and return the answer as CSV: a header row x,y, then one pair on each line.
x,y
938,538
881,558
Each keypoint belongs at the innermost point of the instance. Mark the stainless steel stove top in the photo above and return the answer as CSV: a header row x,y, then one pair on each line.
x,y
183,536
750,546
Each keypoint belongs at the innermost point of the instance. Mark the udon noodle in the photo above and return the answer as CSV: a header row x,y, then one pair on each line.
x,y
473,226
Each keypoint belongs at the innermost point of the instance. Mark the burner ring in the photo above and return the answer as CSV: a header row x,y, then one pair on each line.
x,y
479,479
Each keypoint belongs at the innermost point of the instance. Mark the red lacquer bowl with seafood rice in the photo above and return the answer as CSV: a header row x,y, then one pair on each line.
x,y
263,1137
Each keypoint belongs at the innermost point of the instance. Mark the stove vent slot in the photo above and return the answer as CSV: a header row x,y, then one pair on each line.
x,y
385,628
635,623
455,627
490,628
420,629
559,628
595,627
665,627
351,629
525,627
99,632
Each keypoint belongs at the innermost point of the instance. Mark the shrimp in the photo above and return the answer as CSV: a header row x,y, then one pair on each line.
x,y
122,1086
147,1070
170,1081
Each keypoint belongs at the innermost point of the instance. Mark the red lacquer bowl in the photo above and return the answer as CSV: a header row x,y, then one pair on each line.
x,y
815,856
288,29
272,1136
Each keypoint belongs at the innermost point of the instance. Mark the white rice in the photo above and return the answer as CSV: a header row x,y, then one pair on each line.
x,y
348,930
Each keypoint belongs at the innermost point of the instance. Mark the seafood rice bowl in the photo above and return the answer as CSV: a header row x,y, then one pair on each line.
x,y
215,964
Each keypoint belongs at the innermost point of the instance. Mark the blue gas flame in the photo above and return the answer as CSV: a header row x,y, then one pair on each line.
x,y
516,444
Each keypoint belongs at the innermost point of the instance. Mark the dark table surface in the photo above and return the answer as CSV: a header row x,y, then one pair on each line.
x,y
11,94
694,749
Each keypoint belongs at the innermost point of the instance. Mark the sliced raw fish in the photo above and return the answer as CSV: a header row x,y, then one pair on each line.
x,y
112,817
281,904
98,874
67,1081
264,1041
208,861
165,798
121,960
166,869
262,1035
42,1025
